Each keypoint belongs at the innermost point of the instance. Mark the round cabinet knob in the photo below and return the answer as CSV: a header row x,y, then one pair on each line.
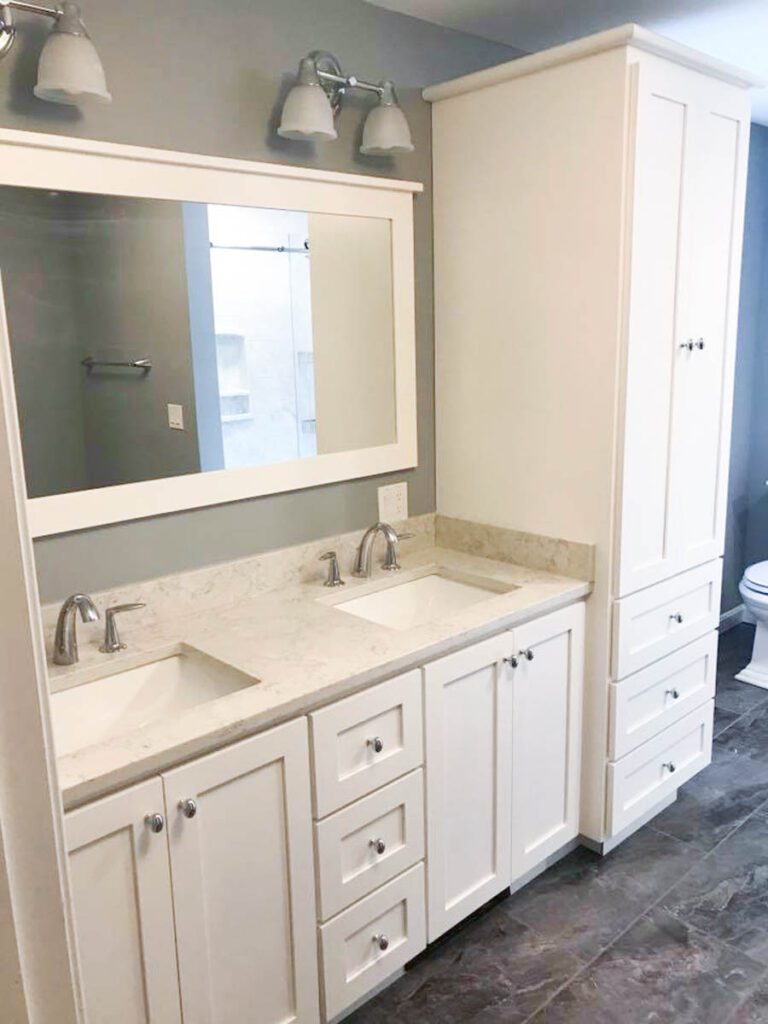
x,y
700,344
188,808
528,654
677,617
382,942
379,845
674,694
670,766
155,823
512,661
376,744
687,345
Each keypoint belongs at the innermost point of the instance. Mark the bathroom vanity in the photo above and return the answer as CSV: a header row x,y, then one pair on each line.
x,y
415,772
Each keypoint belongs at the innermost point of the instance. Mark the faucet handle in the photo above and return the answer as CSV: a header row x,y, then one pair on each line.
x,y
112,642
334,576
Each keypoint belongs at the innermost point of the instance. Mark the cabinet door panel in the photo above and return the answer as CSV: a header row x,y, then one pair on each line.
x,y
546,737
709,298
243,882
121,888
468,707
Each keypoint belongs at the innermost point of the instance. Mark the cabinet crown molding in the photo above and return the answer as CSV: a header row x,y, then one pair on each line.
x,y
624,35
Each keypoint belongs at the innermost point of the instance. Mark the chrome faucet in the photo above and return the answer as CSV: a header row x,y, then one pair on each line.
x,y
65,641
365,551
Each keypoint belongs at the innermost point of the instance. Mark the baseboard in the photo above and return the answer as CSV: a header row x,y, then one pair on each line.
x,y
733,618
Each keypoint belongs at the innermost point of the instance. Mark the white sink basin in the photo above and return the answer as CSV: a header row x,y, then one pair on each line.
x,y
116,704
417,601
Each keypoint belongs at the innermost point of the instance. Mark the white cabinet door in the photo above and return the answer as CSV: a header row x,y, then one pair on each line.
x,y
689,166
546,736
467,710
121,888
243,882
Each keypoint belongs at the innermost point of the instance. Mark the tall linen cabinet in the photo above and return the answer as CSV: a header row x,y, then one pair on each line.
x,y
588,228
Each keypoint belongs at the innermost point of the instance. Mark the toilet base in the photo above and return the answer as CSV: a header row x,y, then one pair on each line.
x,y
756,671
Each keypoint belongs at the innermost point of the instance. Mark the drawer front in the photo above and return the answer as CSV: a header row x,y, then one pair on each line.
x,y
369,842
366,741
651,700
655,770
655,622
353,960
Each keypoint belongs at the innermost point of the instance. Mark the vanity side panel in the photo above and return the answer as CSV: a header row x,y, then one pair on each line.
x,y
530,190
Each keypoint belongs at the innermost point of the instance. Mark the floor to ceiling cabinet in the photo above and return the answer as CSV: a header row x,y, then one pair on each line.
x,y
607,179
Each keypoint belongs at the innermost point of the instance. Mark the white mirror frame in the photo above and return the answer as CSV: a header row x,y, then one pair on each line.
x,y
33,160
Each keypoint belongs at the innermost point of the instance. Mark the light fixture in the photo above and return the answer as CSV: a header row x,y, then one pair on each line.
x,y
312,104
69,70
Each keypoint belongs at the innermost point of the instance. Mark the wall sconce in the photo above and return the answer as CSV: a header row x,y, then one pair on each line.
x,y
313,103
69,70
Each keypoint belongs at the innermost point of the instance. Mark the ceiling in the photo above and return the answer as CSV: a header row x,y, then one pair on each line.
x,y
736,31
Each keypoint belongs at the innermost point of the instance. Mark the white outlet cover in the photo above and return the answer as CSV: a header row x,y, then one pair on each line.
x,y
176,417
393,503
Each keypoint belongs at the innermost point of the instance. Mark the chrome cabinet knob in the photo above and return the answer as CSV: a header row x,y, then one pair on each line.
x,y
670,766
155,823
674,694
376,744
687,345
382,942
528,655
700,344
379,845
188,807
677,617
512,661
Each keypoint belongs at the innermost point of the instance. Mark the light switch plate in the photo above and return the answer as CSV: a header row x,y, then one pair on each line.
x,y
176,417
393,503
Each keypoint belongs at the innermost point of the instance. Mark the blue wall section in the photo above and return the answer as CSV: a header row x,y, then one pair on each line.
x,y
746,538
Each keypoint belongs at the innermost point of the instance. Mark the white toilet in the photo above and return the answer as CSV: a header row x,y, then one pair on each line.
x,y
754,591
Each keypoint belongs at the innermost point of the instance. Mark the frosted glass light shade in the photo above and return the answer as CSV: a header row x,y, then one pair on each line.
x,y
307,114
70,70
386,131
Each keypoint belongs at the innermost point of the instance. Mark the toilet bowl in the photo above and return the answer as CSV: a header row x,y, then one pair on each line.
x,y
754,592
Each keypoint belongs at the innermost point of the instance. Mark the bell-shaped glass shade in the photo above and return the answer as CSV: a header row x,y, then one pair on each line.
x,y
307,114
70,70
386,130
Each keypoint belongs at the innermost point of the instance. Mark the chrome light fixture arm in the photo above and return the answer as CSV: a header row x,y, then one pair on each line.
x,y
7,25
334,81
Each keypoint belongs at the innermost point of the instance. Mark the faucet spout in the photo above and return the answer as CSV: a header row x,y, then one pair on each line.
x,y
362,567
65,641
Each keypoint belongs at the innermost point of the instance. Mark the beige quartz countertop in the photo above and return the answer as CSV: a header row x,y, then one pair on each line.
x,y
302,653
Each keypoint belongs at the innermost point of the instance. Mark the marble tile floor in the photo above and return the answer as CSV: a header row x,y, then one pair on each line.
x,y
670,928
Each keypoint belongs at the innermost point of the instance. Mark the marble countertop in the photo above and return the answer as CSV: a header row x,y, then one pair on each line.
x,y
301,651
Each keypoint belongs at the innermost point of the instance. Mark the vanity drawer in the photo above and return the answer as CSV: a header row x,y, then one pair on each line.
x,y
365,741
656,621
644,777
649,701
348,858
353,960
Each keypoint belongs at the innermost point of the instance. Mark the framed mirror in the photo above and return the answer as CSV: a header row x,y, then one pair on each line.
x,y
181,331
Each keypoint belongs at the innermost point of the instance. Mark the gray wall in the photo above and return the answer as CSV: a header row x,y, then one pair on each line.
x,y
210,77
746,538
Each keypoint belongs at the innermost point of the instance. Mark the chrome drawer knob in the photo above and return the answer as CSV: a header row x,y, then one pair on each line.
x,y
382,942
677,617
674,694
528,655
687,345
670,766
155,823
700,344
188,808
379,845
376,744
512,661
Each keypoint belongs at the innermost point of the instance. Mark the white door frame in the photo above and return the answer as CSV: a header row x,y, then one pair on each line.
x,y
41,983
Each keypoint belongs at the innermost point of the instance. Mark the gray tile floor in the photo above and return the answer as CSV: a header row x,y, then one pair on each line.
x,y
670,927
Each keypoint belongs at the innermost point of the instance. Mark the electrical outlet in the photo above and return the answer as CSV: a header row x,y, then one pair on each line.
x,y
176,417
393,503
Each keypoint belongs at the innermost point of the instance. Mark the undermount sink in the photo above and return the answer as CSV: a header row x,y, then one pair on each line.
x,y
418,601
115,704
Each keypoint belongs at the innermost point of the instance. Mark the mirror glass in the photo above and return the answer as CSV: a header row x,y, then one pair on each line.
x,y
153,338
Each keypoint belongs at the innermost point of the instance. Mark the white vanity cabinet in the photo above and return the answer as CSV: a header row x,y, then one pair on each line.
x,y
240,885
607,178
503,748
